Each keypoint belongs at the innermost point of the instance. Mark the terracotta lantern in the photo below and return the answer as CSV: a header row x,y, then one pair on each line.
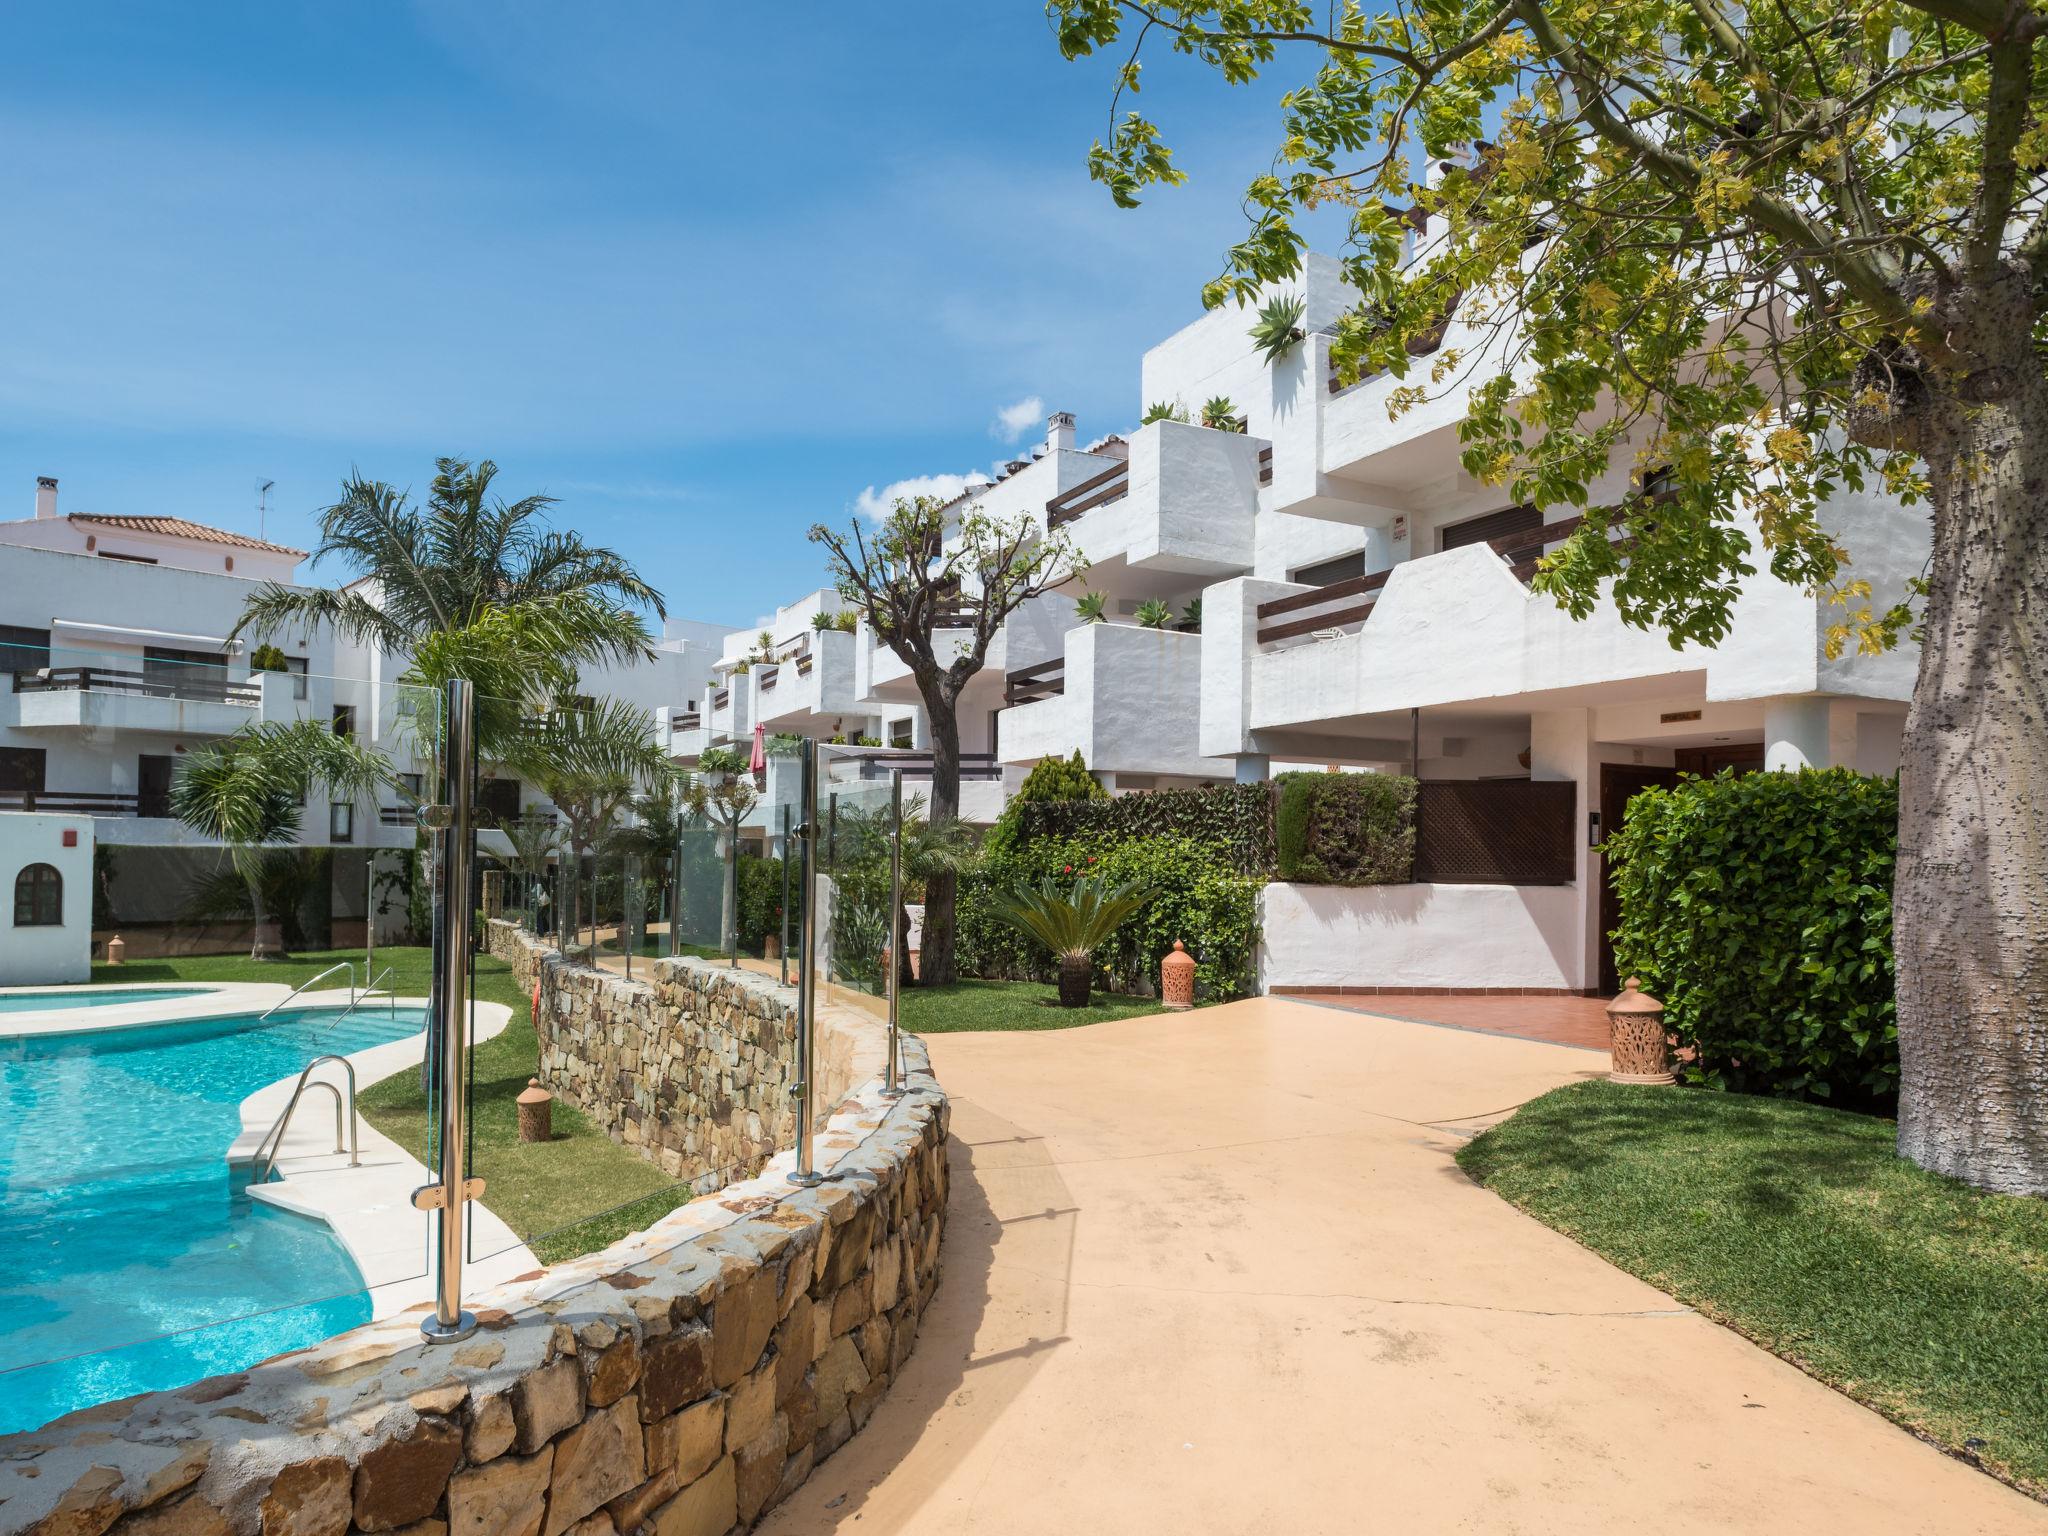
x,y
116,948
1638,1049
1177,978
535,1112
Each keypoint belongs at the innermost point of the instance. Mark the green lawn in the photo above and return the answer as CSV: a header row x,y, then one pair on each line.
x,y
547,1192
969,1005
1799,1227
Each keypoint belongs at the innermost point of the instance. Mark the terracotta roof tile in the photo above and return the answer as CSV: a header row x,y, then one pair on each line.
x,y
179,528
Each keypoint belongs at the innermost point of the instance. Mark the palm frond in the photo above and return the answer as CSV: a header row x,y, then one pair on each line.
x,y
1077,921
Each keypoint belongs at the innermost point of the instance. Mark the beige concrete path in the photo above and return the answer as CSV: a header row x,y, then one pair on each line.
x,y
1218,1273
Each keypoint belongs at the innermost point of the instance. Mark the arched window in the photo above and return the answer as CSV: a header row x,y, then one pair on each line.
x,y
39,897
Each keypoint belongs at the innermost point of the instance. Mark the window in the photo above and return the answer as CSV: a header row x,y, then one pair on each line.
x,y
39,897
899,733
1494,525
22,649
413,784
296,665
1343,568
344,719
497,802
341,822
21,769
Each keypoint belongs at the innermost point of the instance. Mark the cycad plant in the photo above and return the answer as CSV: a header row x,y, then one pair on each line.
x,y
1073,924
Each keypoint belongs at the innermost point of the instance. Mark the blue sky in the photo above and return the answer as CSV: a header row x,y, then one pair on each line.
x,y
704,275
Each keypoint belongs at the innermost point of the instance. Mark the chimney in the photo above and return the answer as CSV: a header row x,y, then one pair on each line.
x,y
1059,432
46,495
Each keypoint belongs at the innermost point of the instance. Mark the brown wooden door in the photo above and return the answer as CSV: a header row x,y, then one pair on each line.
x,y
1618,783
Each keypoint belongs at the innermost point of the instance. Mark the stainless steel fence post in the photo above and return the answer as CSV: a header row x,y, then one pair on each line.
x,y
451,819
787,854
806,971
892,1079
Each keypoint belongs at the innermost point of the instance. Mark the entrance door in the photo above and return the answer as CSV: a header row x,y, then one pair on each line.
x,y
153,785
1618,783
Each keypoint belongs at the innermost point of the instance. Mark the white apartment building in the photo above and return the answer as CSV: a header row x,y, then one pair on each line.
x,y
116,662
1365,604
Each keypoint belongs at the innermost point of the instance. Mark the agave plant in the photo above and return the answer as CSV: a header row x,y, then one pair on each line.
x,y
1163,410
1153,614
1091,607
1219,413
1278,327
822,621
1073,924
1191,616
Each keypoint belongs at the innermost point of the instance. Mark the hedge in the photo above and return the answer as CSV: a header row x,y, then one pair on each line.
x,y
1759,909
1234,820
1345,828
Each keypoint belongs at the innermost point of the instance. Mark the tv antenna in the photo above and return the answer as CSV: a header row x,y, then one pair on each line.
x,y
263,505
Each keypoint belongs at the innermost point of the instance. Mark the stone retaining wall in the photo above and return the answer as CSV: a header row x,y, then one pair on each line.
x,y
690,1066
678,1383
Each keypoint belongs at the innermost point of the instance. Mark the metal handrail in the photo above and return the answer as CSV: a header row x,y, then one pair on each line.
x,y
344,965
272,1144
356,1000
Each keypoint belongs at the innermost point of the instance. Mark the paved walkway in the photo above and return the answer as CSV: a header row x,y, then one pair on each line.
x,y
1218,1273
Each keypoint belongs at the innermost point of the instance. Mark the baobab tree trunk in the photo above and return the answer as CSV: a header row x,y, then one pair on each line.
x,y
1970,914
938,962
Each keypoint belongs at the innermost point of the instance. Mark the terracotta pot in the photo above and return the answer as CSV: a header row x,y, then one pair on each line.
x,y
1076,971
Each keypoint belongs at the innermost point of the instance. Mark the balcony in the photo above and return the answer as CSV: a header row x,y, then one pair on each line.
x,y
68,802
109,698
806,690
1129,698
1183,503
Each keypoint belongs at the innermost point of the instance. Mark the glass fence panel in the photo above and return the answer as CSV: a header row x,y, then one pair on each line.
x,y
216,890
852,892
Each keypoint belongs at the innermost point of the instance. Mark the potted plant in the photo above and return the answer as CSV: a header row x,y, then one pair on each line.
x,y
1191,616
1163,410
1219,414
822,621
1153,614
1278,327
848,621
1091,607
1073,924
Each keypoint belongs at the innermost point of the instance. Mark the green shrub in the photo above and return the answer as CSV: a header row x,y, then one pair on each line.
x,y
1058,778
1759,909
1345,828
1192,893
760,908
267,658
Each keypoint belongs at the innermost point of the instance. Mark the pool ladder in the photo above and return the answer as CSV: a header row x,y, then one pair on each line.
x,y
272,1144
356,1000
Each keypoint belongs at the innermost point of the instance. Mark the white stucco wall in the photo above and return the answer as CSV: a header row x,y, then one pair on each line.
x,y
1132,705
46,956
1418,936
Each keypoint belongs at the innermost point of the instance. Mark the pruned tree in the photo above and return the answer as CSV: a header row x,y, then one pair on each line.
x,y
936,588
1783,248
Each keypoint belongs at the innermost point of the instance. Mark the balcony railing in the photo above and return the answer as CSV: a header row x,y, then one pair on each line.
x,y
1047,680
768,676
686,721
73,802
804,665
151,685
720,697
1113,484
1266,465
1351,601
918,765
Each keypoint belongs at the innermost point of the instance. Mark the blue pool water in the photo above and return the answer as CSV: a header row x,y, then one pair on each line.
x,y
130,1259
92,997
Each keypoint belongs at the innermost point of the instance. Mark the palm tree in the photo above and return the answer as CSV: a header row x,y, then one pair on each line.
x,y
443,569
590,761
246,792
535,842
1073,924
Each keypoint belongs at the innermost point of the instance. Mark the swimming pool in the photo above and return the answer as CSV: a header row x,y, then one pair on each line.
x,y
93,997
131,1257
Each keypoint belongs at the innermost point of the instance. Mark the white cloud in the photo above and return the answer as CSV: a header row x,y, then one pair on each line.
x,y
874,504
1013,421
